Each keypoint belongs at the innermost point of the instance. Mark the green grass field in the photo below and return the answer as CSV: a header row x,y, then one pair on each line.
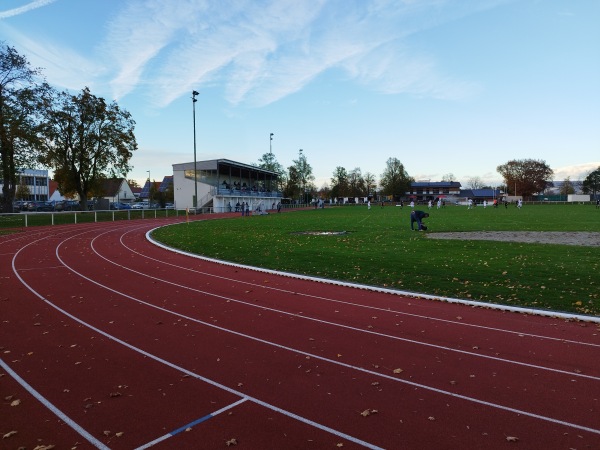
x,y
380,249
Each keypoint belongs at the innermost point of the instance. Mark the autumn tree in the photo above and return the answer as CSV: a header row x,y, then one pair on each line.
x,y
86,140
339,183
324,192
591,183
395,180
567,187
525,176
23,190
357,183
20,90
300,179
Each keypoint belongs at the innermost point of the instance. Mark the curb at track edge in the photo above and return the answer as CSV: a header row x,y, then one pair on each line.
x,y
416,295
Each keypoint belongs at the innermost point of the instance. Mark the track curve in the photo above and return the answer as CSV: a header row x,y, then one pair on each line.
x,y
109,341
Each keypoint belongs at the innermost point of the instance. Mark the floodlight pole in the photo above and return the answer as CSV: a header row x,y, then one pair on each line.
x,y
148,187
195,202
271,143
302,174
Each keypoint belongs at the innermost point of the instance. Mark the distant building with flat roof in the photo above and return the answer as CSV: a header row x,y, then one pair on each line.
x,y
423,191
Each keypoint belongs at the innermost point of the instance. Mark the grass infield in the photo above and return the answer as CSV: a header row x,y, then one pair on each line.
x,y
380,249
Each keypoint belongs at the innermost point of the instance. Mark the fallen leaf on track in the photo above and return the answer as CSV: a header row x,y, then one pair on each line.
x,y
9,434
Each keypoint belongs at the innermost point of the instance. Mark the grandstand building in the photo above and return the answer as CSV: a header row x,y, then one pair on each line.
x,y
222,183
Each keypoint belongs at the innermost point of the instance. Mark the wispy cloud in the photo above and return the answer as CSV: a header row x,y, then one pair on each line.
x,y
575,172
258,52
25,8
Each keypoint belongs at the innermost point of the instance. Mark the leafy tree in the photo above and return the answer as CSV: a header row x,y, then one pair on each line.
x,y
19,93
324,192
268,161
591,183
395,180
525,176
300,178
86,140
339,183
292,183
23,192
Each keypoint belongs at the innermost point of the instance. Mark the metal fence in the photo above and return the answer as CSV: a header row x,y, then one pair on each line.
x,y
31,219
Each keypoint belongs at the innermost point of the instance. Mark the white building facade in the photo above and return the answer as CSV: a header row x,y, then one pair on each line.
x,y
35,181
221,184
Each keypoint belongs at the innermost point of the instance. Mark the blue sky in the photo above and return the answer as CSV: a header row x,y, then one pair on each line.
x,y
445,86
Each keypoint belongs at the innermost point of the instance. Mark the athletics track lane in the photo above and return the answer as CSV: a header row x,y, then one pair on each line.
x,y
308,348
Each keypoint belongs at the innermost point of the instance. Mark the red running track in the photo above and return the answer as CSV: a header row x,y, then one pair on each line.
x,y
109,341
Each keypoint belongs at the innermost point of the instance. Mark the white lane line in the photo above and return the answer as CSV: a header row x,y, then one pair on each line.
x,y
268,405
325,322
287,413
529,311
360,369
61,415
363,287
191,424
179,368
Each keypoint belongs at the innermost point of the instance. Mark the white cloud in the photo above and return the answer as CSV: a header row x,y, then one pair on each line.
x,y
25,8
576,171
261,52
258,51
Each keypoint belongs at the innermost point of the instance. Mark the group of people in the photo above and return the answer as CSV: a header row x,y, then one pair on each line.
x,y
244,207
243,187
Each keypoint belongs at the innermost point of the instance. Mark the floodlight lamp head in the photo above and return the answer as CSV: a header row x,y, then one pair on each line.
x,y
194,93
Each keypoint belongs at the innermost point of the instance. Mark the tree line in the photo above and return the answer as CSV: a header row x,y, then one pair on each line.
x,y
86,139
82,137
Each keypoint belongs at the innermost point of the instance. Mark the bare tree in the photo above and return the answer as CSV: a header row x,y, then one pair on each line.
x,y
475,183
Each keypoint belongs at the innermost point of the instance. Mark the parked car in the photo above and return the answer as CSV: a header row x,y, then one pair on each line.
x,y
40,206
120,206
19,205
67,205
169,206
140,205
